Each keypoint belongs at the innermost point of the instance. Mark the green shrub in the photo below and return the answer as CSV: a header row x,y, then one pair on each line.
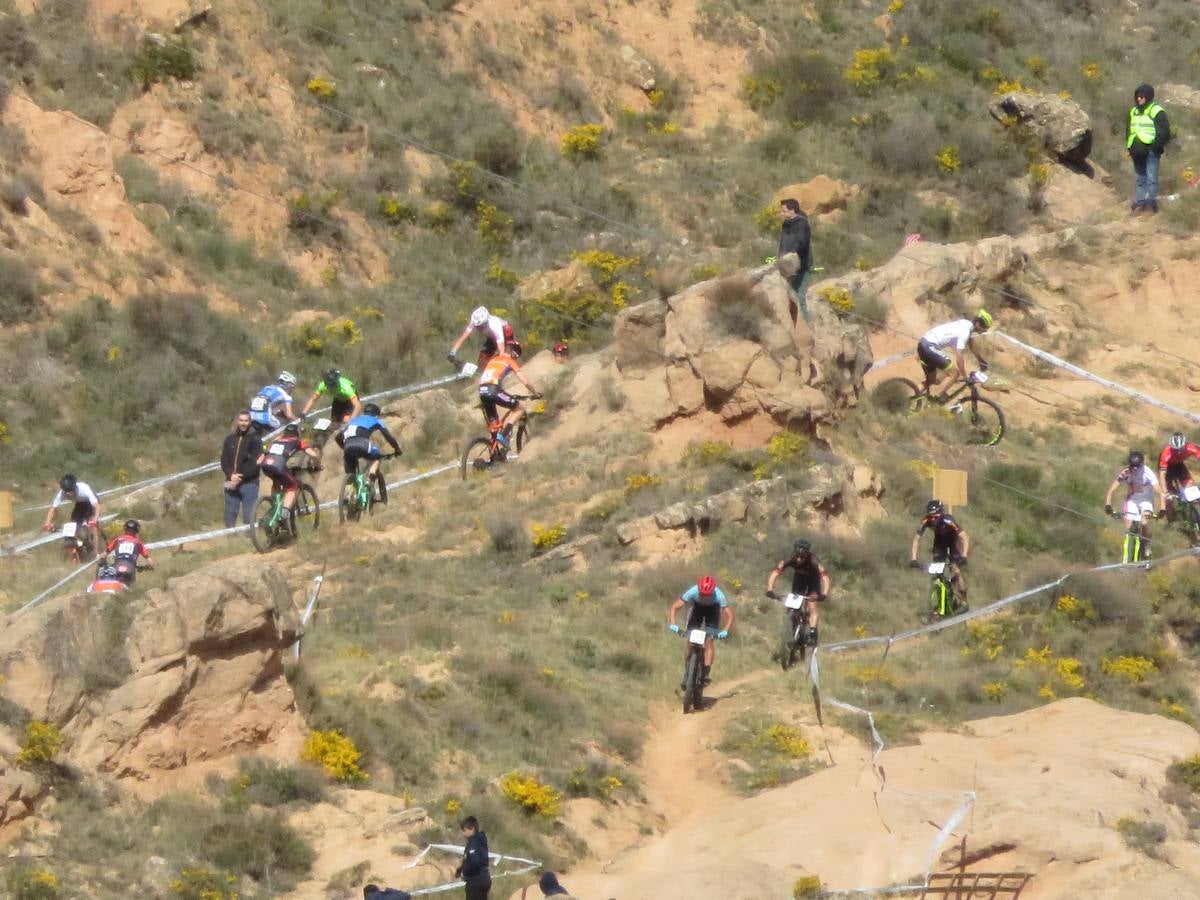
x,y
582,142
20,295
268,783
1186,772
1143,835
27,880
161,59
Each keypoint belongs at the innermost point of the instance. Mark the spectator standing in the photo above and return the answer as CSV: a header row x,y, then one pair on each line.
x,y
795,236
474,868
239,455
1146,139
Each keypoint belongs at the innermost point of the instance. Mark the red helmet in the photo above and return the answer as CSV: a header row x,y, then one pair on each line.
x,y
707,585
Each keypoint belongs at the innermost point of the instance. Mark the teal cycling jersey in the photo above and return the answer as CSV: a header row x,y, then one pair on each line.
x,y
693,595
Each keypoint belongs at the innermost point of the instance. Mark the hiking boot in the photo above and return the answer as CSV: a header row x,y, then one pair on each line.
x,y
1152,206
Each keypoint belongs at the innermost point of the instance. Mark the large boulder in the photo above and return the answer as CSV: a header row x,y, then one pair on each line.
x,y
818,195
1180,96
1059,122
190,673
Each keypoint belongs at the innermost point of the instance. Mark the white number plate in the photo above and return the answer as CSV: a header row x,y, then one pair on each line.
x,y
276,450
698,636
322,425
468,370
258,404
69,529
793,601
127,548
937,568
1191,493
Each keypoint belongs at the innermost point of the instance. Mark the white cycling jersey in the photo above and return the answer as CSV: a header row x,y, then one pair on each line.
x,y
83,494
1139,483
955,333
493,328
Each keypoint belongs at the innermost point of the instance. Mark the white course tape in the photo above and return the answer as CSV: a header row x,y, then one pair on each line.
x,y
888,360
526,865
405,390
44,539
308,610
1092,376
54,587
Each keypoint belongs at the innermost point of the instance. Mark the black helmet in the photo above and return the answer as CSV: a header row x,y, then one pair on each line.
x,y
1136,458
1178,441
371,409
292,427
935,508
331,378
132,526
801,546
68,483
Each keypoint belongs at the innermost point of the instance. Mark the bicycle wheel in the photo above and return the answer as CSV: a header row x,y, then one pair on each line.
x,y
693,682
522,437
348,501
982,422
476,458
898,395
787,648
1193,517
262,534
307,511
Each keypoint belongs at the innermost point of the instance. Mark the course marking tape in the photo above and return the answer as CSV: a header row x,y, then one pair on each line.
x,y
526,865
44,539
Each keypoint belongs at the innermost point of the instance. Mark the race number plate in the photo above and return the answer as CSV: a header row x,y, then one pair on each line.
x,y
69,529
468,370
793,601
258,404
937,568
126,548
698,636
322,425
277,450
1191,493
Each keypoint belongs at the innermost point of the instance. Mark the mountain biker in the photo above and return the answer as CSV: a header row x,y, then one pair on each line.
x,y
960,335
492,395
86,510
275,456
498,337
1173,474
950,543
356,445
809,579
271,401
344,399
1140,489
127,547
707,608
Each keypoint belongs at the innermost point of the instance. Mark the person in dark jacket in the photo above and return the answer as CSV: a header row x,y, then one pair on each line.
x,y
550,886
375,892
238,461
795,237
1146,138
474,866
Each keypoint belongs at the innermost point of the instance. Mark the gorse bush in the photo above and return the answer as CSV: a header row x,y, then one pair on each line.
x,y
336,754
531,795
41,743
27,881
582,142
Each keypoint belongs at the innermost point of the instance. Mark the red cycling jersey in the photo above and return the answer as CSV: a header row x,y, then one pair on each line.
x,y
1172,457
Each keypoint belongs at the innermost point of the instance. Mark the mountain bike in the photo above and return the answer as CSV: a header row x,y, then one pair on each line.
x,y
482,454
357,497
1132,548
693,667
1187,503
77,542
943,594
793,638
977,420
273,525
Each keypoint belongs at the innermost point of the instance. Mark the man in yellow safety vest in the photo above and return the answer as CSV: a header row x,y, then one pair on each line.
x,y
1145,140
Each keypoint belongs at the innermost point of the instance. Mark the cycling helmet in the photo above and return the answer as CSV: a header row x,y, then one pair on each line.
x,y
68,483
561,349
331,378
935,508
984,318
1178,441
1136,458
707,585
479,317
371,409
287,378
106,573
132,526
292,427
801,546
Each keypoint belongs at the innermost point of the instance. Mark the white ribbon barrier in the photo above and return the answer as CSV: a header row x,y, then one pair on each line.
x,y
225,532
308,609
44,539
525,866
888,360
1092,376
157,480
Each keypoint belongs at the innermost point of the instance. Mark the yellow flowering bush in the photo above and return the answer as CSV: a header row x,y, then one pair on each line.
x,y
604,265
840,300
41,744
1075,609
784,740
321,87
867,675
437,217
336,754
786,446
396,211
531,795
5,436
582,142
640,481
708,452
895,6
808,886
493,224
547,536
1092,71
869,69
1036,66
948,160
453,807
205,884
995,690
344,330
761,93
1132,669
498,275
767,219
507,617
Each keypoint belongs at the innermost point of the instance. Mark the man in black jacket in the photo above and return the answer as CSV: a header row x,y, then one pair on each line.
x,y
474,869
239,456
1146,138
795,237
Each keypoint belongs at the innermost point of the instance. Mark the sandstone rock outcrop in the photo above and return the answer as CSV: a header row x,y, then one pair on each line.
x,y
737,346
143,686
818,195
1058,122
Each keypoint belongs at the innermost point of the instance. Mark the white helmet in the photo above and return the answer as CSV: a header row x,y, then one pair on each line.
x,y
479,317
1178,441
287,378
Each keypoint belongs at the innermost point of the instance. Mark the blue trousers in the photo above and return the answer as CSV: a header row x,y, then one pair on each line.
x,y
244,496
1145,186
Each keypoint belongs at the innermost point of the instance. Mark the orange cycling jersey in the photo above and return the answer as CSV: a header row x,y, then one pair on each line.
x,y
497,369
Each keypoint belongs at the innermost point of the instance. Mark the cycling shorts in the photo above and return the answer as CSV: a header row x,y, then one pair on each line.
x,y
932,358
808,583
1177,475
340,409
1136,508
82,512
490,397
281,476
358,448
702,616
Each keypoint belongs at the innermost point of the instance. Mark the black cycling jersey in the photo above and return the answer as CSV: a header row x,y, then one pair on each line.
x,y
806,576
945,533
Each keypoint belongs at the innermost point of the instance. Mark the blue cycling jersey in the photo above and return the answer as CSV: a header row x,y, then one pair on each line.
x,y
693,595
266,403
363,426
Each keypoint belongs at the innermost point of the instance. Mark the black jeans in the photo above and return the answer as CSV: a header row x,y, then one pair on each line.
x,y
479,891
